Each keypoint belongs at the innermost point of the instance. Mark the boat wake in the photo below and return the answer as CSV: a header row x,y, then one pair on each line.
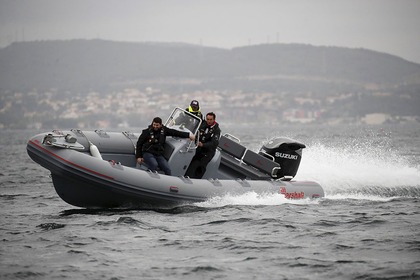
x,y
366,171
252,199
360,170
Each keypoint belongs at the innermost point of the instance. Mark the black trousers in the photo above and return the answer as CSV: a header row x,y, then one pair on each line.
x,y
198,165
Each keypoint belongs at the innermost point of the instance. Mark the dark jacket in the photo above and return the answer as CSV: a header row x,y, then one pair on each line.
x,y
152,141
209,136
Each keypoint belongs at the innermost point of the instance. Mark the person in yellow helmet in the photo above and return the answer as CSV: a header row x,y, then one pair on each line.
x,y
185,120
194,109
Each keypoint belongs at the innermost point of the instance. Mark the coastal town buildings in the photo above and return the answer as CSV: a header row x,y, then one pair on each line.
x,y
135,107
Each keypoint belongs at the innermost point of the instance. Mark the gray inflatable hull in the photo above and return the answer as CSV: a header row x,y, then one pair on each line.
x,y
115,180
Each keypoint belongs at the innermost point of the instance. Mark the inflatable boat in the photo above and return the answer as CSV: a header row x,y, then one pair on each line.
x,y
98,169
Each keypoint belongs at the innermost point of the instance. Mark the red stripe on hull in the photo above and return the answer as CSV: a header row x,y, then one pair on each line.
x,y
69,162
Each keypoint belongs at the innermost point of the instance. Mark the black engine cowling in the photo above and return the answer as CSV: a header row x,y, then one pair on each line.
x,y
286,152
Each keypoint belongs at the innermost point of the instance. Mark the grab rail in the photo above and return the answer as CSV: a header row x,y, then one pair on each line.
x,y
268,155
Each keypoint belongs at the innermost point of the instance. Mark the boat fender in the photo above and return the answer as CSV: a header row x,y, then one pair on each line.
x,y
94,150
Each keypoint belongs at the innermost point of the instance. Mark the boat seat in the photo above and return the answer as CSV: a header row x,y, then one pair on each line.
x,y
236,167
242,170
262,163
231,147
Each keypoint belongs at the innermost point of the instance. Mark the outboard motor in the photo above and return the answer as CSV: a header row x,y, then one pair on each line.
x,y
286,152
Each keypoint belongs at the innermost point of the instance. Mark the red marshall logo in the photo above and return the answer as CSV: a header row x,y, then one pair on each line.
x,y
292,195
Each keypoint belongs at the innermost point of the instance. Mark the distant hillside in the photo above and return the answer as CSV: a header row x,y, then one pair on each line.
x,y
93,64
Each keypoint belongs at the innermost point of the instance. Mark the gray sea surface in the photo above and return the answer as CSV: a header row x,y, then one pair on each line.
x,y
366,227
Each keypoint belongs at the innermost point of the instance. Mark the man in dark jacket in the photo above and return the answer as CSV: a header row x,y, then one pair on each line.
x,y
209,134
151,145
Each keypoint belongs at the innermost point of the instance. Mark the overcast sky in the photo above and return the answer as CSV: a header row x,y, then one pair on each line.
x,y
390,26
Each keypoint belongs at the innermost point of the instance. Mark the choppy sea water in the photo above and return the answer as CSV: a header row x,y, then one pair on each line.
x,y
367,226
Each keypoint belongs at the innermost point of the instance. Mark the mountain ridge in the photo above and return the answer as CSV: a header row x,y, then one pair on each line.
x,y
92,64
